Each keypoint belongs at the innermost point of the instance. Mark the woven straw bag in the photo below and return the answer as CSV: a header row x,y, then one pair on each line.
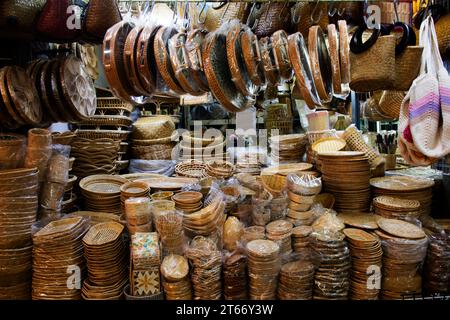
x,y
407,66
373,69
267,18
19,14
230,11
279,117
427,101
99,16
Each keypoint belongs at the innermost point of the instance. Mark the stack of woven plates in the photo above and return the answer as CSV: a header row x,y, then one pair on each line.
x,y
188,201
404,250
235,276
263,269
102,193
300,239
206,221
436,268
56,248
331,280
296,281
176,282
191,169
18,208
152,138
116,127
299,168
206,274
253,169
202,148
346,174
94,156
107,262
280,232
288,148
366,253
396,208
220,169
405,187
253,233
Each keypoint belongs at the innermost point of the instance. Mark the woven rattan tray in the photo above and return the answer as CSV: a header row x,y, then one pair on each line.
x,y
103,233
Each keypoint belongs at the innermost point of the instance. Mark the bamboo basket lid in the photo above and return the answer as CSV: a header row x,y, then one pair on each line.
x,y
401,183
396,204
401,228
102,184
359,220
59,227
174,267
169,183
262,248
329,144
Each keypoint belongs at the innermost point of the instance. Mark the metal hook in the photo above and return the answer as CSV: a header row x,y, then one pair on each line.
x,y
396,11
313,13
295,13
221,4
201,12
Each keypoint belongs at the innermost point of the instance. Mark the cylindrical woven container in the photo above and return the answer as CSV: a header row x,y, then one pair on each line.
x,y
374,69
39,151
58,169
407,66
138,211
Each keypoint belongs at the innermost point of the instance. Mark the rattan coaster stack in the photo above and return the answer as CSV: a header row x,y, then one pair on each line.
x,y
235,276
206,261
56,249
280,232
346,174
263,268
405,187
102,193
396,208
296,281
288,148
176,282
365,252
107,262
331,280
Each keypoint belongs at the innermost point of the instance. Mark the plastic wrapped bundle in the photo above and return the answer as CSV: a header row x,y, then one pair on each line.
x,y
235,276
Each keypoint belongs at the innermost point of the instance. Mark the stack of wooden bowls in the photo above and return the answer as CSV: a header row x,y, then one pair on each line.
x,y
346,175
206,275
366,254
263,269
405,187
396,208
296,281
404,250
107,262
176,282
56,248
18,210
188,201
102,193
280,232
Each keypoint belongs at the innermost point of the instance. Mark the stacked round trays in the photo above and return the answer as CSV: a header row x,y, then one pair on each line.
x,y
102,193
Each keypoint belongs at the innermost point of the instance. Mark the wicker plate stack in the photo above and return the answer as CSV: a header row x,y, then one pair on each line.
x,y
405,187
106,258
97,156
301,238
206,273
263,268
188,201
346,174
56,248
300,168
174,184
202,148
152,138
396,208
436,268
296,281
134,189
288,148
220,169
102,193
365,252
235,276
331,280
280,232
191,169
404,251
176,282
18,208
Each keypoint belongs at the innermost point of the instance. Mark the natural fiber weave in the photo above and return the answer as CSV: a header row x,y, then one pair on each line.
x,y
407,66
390,103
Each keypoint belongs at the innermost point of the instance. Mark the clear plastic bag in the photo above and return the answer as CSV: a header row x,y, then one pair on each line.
x,y
58,166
